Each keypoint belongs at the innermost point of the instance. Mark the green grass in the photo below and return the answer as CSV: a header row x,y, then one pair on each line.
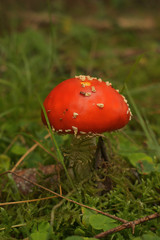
x,y
32,62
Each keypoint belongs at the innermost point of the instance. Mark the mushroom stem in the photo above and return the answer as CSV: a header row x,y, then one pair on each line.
x,y
101,153
79,157
104,182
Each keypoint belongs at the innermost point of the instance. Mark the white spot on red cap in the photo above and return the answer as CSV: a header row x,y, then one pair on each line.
x,y
81,132
93,89
87,94
75,115
75,129
108,83
100,105
99,80
83,77
68,130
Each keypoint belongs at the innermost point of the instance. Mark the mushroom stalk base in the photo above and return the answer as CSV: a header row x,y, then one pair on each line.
x,y
104,182
101,153
80,158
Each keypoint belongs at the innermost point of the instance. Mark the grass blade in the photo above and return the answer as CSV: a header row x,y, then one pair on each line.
x,y
59,154
7,112
152,142
133,68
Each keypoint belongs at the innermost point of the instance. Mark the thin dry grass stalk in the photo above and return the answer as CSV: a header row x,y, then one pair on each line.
x,y
14,226
26,201
23,157
29,151
63,197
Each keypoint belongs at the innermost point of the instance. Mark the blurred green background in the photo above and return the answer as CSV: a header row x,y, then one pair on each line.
x,y
45,42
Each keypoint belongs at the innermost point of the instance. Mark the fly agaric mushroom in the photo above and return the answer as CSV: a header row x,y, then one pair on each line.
x,y
86,105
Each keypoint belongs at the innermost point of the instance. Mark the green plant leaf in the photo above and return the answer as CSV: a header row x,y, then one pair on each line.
x,y
86,215
138,159
150,236
147,236
42,227
4,162
79,231
142,162
99,222
126,146
41,231
18,149
39,235
157,168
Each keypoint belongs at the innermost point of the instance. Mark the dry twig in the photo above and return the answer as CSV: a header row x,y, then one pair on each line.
x,y
130,224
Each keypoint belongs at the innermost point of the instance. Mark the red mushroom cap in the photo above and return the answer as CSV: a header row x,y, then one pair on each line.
x,y
85,104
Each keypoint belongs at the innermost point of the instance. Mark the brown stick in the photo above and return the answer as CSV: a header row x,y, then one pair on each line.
x,y
130,224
